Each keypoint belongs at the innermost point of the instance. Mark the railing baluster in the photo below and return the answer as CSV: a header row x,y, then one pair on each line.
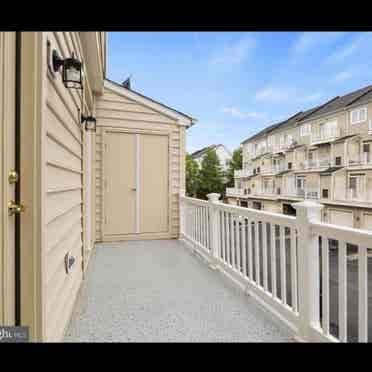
x,y
273,259
250,253
237,243
294,269
228,245
232,219
264,254
283,271
223,236
342,291
244,247
325,285
257,252
362,294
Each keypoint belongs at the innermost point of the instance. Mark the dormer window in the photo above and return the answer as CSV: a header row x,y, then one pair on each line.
x,y
358,116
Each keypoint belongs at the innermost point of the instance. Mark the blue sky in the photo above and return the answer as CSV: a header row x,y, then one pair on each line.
x,y
236,83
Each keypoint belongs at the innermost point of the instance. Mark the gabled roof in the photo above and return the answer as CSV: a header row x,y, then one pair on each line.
x,y
202,151
181,118
270,128
341,102
357,97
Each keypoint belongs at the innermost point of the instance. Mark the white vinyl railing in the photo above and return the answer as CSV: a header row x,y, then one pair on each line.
x,y
296,267
232,191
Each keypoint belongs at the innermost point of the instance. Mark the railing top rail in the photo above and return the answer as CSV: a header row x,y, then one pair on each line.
x,y
265,216
194,200
347,234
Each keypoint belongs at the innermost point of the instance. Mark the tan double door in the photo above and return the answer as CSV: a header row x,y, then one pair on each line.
x,y
136,184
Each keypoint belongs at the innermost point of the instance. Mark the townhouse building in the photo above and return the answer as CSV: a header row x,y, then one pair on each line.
x,y
223,154
323,154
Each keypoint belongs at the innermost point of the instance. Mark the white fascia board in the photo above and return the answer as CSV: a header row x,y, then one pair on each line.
x,y
182,120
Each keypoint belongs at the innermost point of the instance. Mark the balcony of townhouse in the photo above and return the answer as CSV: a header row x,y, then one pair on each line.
x,y
281,293
236,192
267,169
315,163
324,135
363,160
311,193
243,173
358,195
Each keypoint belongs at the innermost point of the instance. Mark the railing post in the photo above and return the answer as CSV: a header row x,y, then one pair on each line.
x,y
214,225
182,215
308,268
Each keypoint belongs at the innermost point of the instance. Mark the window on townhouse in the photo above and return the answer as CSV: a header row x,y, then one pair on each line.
x,y
358,116
366,153
325,193
354,182
289,165
305,130
271,141
338,160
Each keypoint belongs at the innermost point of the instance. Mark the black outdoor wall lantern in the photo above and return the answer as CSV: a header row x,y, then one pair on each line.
x,y
90,123
72,70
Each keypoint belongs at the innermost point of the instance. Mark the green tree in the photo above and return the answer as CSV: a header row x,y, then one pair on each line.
x,y
236,163
192,176
211,175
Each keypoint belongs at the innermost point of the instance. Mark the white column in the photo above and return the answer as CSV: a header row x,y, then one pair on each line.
x,y
308,268
213,200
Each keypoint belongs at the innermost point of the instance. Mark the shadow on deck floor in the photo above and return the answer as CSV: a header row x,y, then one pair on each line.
x,y
157,291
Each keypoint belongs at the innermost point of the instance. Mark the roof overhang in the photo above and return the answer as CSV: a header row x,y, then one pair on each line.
x,y
93,52
181,119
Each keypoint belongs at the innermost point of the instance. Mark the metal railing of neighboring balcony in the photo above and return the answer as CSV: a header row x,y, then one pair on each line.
x,y
288,264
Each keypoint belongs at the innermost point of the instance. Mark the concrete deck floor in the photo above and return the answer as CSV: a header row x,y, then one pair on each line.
x,y
158,291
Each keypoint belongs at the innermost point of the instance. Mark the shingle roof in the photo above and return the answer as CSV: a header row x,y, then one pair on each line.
x,y
330,170
359,96
200,152
340,102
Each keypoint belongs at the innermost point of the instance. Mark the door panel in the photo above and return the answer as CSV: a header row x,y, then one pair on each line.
x,y
154,183
120,183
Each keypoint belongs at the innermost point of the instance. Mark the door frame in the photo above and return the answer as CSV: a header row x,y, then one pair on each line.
x,y
136,236
33,76
8,272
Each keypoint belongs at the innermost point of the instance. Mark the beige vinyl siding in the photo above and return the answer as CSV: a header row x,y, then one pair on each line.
x,y
339,151
354,150
116,111
312,180
300,156
63,162
325,183
339,179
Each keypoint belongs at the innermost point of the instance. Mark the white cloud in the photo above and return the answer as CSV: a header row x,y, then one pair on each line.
x,y
272,94
235,112
360,43
307,41
343,76
235,53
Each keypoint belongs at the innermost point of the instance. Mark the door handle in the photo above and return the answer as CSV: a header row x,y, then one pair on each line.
x,y
134,189
14,208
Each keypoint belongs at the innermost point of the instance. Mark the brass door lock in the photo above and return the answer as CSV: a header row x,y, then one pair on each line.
x,y
14,208
13,176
